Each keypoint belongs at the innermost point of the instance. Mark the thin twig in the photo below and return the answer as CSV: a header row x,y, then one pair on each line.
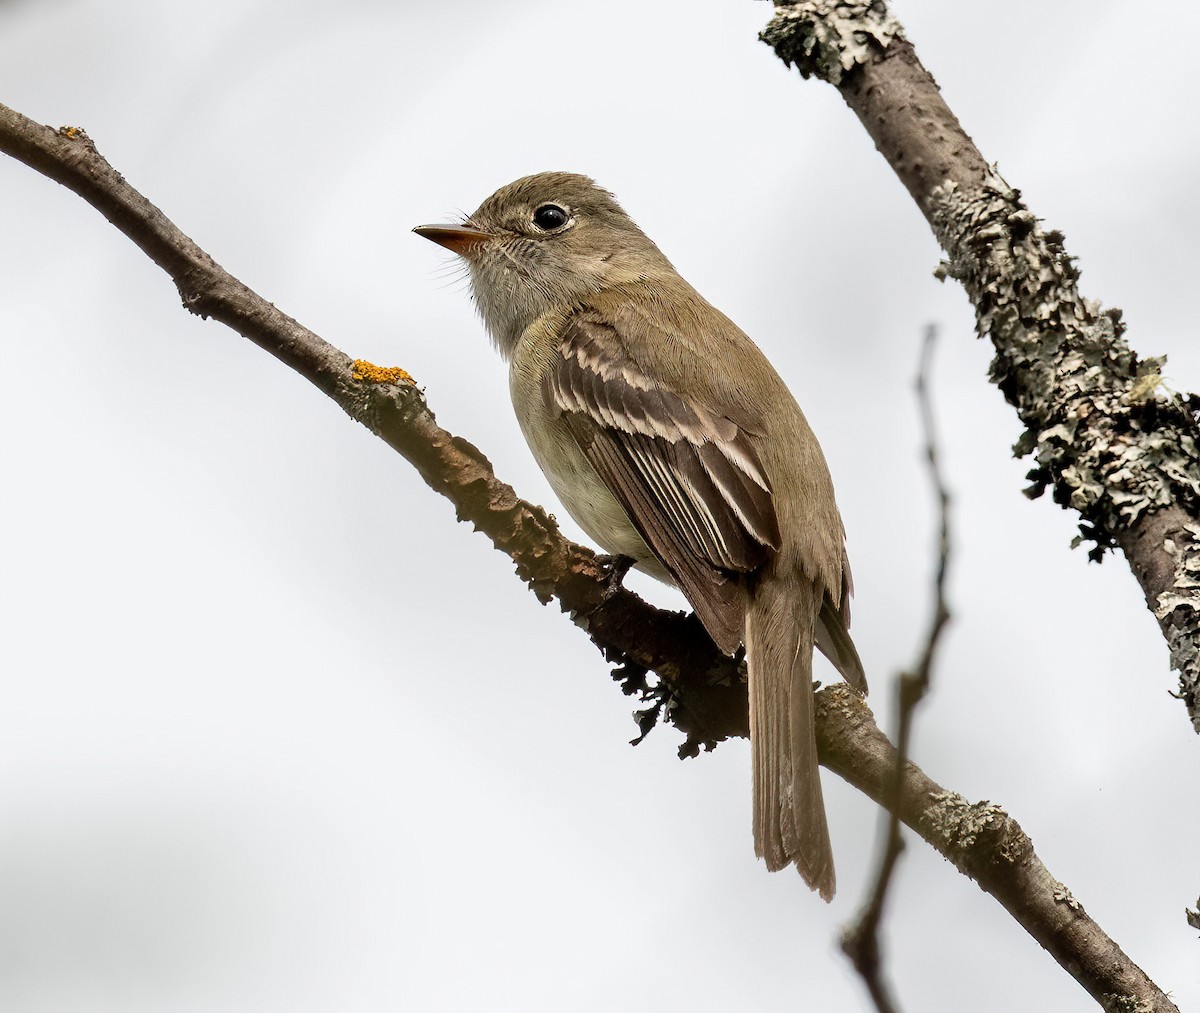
x,y
860,941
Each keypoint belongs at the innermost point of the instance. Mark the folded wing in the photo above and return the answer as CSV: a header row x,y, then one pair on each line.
x,y
688,478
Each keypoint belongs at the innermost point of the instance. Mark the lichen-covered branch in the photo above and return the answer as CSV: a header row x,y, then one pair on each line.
x,y
1107,438
828,40
985,843
702,692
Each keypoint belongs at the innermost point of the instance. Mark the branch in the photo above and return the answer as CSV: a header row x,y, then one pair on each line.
x,y
986,844
702,691
1107,439
860,942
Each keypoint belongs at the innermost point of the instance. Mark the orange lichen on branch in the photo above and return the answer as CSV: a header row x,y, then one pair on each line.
x,y
363,370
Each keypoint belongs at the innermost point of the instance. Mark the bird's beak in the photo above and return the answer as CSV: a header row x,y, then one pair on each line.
x,y
459,239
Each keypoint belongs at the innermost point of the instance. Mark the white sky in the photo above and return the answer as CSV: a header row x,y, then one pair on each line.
x,y
277,734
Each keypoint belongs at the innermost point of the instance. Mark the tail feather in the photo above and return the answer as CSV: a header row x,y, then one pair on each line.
x,y
789,810
833,641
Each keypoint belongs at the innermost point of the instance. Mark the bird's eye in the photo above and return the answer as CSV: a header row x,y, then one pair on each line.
x,y
549,217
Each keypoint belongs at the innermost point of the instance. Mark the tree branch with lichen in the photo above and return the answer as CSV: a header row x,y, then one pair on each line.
x,y
1107,439
700,690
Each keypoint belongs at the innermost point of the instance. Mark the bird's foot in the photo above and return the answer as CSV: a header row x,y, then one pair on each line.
x,y
616,567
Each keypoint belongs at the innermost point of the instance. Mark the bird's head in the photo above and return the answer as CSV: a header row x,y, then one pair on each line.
x,y
542,243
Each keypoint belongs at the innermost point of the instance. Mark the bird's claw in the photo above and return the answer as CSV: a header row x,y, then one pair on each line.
x,y
616,567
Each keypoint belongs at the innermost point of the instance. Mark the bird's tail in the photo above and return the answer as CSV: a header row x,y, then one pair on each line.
x,y
789,811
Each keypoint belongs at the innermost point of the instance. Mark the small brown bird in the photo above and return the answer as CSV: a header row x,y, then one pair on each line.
x,y
670,439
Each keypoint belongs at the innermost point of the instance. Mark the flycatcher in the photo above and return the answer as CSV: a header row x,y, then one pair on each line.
x,y
672,441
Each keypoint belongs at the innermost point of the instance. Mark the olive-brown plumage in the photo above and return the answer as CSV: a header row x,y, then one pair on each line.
x,y
671,440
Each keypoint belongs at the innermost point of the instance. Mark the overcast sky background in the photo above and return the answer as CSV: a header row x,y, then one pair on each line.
x,y
277,734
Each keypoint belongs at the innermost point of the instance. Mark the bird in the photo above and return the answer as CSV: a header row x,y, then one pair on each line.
x,y
673,442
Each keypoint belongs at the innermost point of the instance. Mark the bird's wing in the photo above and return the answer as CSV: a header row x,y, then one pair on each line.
x,y
688,478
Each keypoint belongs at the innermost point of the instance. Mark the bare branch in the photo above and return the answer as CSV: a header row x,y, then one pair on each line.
x,y
1107,438
860,941
706,696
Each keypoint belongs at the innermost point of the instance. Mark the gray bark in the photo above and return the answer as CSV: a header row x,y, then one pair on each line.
x,y
1107,438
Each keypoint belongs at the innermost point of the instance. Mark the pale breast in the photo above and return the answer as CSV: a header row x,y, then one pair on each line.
x,y
574,481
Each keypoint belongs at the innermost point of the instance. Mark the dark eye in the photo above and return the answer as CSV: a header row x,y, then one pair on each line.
x,y
549,217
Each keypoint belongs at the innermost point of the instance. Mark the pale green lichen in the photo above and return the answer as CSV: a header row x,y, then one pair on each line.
x,y
1109,439
827,38
1149,380
1106,435
1114,1002
1064,896
1184,550
960,822
1183,605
